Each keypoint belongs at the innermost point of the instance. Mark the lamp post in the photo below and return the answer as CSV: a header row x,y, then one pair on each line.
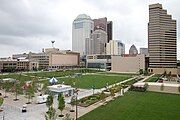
x,y
93,89
76,91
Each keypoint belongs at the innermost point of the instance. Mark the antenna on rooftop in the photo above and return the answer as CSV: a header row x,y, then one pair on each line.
x,y
53,43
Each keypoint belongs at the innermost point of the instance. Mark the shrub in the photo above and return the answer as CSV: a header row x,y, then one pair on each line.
x,y
138,88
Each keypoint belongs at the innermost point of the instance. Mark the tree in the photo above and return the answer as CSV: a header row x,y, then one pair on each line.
x,y
17,90
112,93
145,72
73,103
51,114
6,86
1,101
49,101
164,74
169,75
61,104
140,71
102,96
30,92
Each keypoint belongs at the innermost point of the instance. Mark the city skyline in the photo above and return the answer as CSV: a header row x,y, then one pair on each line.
x,y
33,24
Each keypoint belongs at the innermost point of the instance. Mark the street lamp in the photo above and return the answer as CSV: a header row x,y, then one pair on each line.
x,y
76,91
93,89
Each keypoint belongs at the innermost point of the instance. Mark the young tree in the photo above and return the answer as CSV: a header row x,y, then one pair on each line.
x,y
51,114
61,104
140,71
102,96
30,92
73,103
145,72
112,92
49,101
1,101
17,90
6,86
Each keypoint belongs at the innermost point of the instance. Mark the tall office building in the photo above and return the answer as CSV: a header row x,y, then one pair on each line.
x,y
98,42
115,47
161,40
100,23
110,30
144,51
103,24
82,28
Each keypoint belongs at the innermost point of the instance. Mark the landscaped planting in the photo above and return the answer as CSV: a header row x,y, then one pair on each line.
x,y
154,78
87,101
138,106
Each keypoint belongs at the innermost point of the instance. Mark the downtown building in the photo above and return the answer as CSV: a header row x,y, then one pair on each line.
x,y
115,47
161,41
90,36
82,28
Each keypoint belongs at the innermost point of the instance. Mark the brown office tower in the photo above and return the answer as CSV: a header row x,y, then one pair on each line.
x,y
161,41
109,30
103,24
100,23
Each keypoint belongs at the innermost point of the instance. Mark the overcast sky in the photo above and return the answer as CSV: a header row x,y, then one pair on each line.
x,y
30,25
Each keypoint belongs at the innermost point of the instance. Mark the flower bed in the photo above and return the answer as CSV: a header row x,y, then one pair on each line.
x,y
87,101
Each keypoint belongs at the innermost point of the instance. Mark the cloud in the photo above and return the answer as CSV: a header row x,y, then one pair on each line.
x,y
30,25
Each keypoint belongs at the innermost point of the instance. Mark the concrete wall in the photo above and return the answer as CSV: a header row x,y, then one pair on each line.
x,y
64,60
156,87
161,70
127,64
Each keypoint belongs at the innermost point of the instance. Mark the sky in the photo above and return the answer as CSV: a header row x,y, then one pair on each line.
x,y
30,25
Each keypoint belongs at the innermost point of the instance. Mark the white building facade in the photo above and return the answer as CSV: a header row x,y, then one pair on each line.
x,y
115,47
82,28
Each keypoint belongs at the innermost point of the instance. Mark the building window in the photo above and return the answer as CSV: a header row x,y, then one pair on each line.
x,y
78,25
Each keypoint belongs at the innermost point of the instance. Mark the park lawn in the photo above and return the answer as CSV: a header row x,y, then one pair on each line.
x,y
50,74
139,106
98,81
17,77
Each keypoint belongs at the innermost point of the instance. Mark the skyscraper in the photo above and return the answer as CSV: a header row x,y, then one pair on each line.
x,y
82,28
98,42
100,23
115,47
161,40
103,24
110,30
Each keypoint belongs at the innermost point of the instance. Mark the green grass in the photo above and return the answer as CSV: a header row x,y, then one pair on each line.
x,y
50,74
98,81
139,106
154,78
17,77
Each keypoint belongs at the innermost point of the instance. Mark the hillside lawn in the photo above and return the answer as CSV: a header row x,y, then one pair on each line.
x,y
139,106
